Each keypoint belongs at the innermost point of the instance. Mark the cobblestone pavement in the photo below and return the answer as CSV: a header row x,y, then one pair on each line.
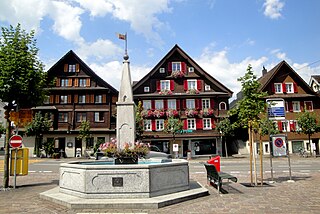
x,y
302,196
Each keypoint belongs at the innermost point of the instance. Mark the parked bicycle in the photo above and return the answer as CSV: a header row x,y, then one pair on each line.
x,y
303,153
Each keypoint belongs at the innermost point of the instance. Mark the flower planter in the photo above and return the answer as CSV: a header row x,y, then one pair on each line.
x,y
126,160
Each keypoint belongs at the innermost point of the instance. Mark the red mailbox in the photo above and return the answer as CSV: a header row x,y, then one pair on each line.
x,y
215,161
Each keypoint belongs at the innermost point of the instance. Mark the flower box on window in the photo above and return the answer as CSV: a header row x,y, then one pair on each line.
x,y
172,113
193,91
158,113
207,112
191,112
177,74
147,114
165,92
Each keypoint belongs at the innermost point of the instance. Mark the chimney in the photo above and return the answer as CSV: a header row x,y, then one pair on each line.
x,y
264,71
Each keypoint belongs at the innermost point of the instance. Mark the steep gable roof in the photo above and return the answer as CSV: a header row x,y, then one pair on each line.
x,y
175,49
87,70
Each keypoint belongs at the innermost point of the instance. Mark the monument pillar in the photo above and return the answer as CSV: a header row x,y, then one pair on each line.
x,y
125,108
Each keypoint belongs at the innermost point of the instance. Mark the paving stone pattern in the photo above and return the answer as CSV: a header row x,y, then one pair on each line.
x,y
302,196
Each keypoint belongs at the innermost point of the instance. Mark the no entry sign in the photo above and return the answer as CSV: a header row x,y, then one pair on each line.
x,y
15,141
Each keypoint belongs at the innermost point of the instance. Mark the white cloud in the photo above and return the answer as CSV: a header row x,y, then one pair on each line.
x,y
280,55
273,8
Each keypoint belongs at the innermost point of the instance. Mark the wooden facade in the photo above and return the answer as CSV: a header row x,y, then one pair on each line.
x,y
178,86
78,94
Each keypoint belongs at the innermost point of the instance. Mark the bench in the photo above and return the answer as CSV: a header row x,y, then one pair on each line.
x,y
217,177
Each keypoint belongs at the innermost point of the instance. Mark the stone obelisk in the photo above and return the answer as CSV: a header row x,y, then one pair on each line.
x,y
125,108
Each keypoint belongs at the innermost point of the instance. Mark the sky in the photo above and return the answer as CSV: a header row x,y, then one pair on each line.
x,y
222,36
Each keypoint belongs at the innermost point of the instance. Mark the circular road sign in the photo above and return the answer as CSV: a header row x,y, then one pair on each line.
x,y
278,142
15,141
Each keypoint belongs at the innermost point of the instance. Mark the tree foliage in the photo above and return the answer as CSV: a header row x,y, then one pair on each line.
x,y
225,127
22,78
84,131
139,121
173,125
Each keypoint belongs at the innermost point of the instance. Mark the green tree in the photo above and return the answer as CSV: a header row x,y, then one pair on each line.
x,y
250,107
39,125
84,131
22,78
139,121
307,122
173,125
226,129
2,129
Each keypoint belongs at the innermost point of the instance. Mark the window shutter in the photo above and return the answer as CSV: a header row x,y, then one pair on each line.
x,y
51,99
295,87
70,82
212,103
290,106
178,104
273,88
280,126
76,96
183,67
104,98
88,82
184,104
284,88
76,82
153,105
69,98
153,125
77,68
213,125
198,103
301,105
158,85
199,124
185,85
58,82
199,85
87,98
165,104
57,99
171,85
65,68
185,124
169,68
92,98
292,126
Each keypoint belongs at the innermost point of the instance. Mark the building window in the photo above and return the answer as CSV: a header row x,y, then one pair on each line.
x,y
46,100
192,84
191,69
99,116
172,104
176,66
89,143
205,103
82,99
98,99
191,124
63,99
278,88
190,104
207,88
308,105
147,104
147,125
82,82
81,116
161,70
222,106
72,68
206,123
64,82
159,104
164,85
63,116
146,89
289,87
159,125
296,106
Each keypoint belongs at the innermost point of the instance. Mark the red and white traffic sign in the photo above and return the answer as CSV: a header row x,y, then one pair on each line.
x,y
15,141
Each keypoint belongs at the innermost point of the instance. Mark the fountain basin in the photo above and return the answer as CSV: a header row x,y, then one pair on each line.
x,y
144,180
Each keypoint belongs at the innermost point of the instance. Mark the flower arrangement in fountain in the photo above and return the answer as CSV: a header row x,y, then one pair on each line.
x,y
177,74
207,112
192,91
172,113
138,150
165,92
191,112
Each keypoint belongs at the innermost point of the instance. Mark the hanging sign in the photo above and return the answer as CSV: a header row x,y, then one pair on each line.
x,y
276,109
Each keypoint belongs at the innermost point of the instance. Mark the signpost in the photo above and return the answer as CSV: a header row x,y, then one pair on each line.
x,y
15,142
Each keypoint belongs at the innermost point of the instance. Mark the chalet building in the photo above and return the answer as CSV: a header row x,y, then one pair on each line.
x,y
177,86
283,82
78,95
315,83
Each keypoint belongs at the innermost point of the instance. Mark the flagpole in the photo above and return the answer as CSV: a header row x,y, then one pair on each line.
x,y
126,52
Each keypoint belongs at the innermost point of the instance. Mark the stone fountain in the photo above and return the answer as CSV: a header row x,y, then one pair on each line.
x,y
101,184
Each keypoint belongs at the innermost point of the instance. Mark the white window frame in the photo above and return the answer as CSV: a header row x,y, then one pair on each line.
x,y
82,99
63,117
207,88
176,66
64,82
162,71
289,88
146,89
278,88
190,104
82,82
205,103
206,123
192,84
63,99
225,104
191,124
147,125
97,115
172,104
159,124
72,68
296,106
98,98
164,85
81,116
146,104
190,69
158,104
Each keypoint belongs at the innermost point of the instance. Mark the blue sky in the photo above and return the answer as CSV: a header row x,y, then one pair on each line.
x,y
223,36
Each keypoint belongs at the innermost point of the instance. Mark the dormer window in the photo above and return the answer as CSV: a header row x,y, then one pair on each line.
x,y
72,68
176,66
161,71
289,87
207,88
278,88
146,89
191,69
